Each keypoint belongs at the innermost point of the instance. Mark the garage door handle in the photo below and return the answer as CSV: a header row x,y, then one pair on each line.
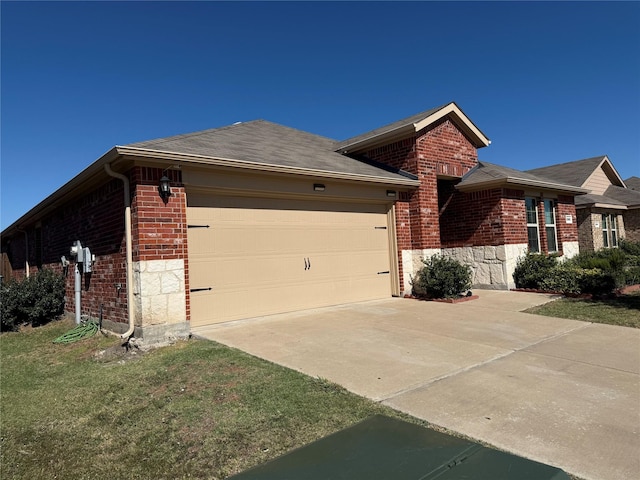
x,y
200,289
307,264
382,273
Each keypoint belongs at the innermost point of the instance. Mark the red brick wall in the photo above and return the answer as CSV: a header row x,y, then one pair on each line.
x,y
159,228
514,217
97,220
159,232
488,217
567,232
439,149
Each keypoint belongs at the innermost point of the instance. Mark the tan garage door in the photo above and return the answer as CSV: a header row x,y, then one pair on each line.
x,y
250,257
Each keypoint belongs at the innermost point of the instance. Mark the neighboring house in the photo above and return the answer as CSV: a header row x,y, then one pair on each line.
x,y
264,219
610,211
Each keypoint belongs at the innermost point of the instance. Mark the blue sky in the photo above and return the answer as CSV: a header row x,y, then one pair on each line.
x,y
547,82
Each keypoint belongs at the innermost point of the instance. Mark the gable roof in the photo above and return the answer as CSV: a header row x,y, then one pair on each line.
x,y
263,145
488,175
600,201
411,125
633,183
627,196
578,172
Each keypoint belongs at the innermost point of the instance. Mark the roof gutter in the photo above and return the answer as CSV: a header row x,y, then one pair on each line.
x,y
129,247
264,167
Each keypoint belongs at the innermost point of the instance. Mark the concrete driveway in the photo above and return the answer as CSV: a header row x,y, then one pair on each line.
x,y
561,392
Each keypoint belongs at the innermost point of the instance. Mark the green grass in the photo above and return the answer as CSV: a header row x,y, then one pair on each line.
x,y
623,310
193,410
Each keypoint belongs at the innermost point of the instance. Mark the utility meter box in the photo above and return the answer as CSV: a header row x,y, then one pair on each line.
x,y
87,260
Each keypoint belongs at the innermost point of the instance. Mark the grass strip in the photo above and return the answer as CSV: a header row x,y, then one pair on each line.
x,y
622,311
193,410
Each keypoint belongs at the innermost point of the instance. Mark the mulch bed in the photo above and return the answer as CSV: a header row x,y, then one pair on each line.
x,y
444,300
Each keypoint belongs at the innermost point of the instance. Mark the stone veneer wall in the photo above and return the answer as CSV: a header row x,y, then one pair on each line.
x,y
160,258
492,266
570,250
590,228
412,263
160,300
632,225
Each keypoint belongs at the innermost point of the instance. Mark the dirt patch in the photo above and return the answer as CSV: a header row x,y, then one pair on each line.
x,y
120,353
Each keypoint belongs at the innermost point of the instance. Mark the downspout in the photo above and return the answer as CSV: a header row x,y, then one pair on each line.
x,y
129,248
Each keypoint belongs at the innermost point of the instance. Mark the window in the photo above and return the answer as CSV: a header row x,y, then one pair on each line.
x,y
609,230
550,225
531,205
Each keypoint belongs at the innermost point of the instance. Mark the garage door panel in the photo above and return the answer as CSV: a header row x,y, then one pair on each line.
x,y
255,258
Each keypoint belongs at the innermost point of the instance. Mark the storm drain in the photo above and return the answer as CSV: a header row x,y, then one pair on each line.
x,y
386,448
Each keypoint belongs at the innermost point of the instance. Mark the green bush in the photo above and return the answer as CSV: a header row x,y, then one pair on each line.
x,y
632,275
532,269
36,300
611,261
592,272
596,281
562,278
629,247
442,277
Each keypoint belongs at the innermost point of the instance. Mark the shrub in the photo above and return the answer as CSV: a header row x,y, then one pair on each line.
x,y
596,281
629,247
35,300
594,273
532,269
562,278
442,277
611,261
632,275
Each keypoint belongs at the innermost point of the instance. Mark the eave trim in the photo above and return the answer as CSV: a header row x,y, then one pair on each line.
x,y
263,167
521,182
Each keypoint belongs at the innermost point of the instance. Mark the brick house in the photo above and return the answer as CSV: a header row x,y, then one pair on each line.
x,y
610,211
262,219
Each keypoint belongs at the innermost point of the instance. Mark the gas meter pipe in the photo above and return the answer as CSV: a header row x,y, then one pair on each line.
x,y
129,253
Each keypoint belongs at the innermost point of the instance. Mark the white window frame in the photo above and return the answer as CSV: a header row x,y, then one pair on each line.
x,y
609,230
532,225
547,226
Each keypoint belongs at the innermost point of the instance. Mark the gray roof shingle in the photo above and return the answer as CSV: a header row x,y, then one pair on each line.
x,y
633,183
486,172
627,196
390,127
571,173
264,142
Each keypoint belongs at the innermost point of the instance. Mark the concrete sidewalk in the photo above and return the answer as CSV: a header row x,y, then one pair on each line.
x,y
562,392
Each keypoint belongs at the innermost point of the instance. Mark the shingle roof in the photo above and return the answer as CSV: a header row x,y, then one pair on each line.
x,y
571,173
390,127
486,173
411,124
627,196
633,183
591,199
264,142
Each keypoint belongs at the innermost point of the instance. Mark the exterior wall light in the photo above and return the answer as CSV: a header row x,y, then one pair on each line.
x,y
318,187
164,189
391,193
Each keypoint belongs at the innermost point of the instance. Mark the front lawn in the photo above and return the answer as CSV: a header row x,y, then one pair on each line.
x,y
193,410
623,310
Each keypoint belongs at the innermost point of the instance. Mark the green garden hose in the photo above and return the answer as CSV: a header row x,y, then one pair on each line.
x,y
84,330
